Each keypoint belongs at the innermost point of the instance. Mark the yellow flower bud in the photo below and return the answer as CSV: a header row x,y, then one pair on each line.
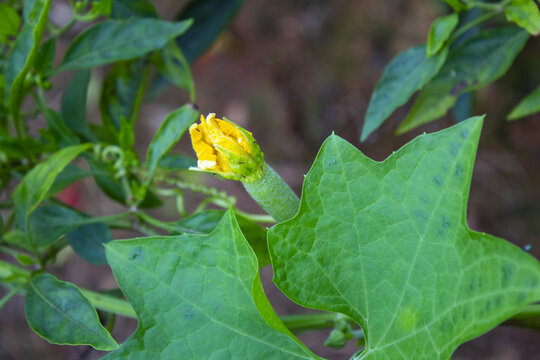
x,y
226,149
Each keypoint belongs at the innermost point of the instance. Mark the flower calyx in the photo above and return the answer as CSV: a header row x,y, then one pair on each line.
x,y
226,149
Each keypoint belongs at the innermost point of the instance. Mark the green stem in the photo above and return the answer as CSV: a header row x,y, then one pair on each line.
x,y
109,303
273,194
9,295
308,322
259,218
472,24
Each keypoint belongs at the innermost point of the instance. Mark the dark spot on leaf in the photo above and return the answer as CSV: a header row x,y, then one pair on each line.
x,y
459,170
464,133
438,180
457,89
189,315
331,165
507,274
454,148
424,198
521,297
136,254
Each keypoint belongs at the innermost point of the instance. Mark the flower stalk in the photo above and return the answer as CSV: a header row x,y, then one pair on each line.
x,y
225,149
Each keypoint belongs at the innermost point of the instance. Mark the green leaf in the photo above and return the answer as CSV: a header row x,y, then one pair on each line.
x,y
20,148
529,105
9,26
22,55
105,179
440,31
210,18
88,240
115,40
58,129
170,131
57,311
74,104
37,182
68,176
456,5
408,72
45,57
387,244
188,289
125,9
122,93
526,14
471,65
52,220
206,221
172,64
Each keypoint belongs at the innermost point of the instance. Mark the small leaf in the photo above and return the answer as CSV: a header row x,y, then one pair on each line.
x,y
456,5
408,72
20,148
194,288
88,240
471,65
105,179
525,13
116,40
387,244
58,312
171,63
45,57
529,105
37,182
22,55
122,93
74,104
125,9
170,131
210,18
9,26
58,129
440,31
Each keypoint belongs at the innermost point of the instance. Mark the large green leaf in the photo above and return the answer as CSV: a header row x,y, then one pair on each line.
x,y
408,72
57,311
188,290
23,53
36,183
210,18
206,221
74,104
471,65
529,105
170,131
122,93
526,14
115,40
387,244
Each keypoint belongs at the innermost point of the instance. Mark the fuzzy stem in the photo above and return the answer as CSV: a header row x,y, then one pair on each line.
x,y
273,194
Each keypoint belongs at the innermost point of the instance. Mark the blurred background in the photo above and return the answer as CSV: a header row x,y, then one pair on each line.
x,y
292,72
